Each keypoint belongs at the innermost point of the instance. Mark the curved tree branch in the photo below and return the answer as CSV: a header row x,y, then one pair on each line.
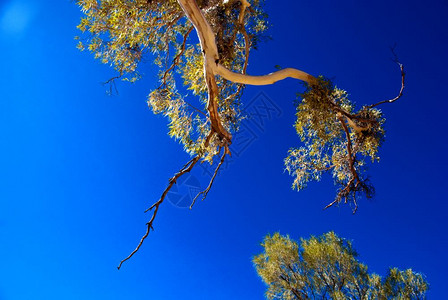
x,y
265,79
210,55
212,66
400,93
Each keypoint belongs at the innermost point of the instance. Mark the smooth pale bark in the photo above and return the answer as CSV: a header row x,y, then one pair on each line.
x,y
212,66
244,6
210,51
210,54
264,79
203,29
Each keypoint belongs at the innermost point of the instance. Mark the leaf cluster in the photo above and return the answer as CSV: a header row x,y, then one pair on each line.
x,y
335,139
327,267
123,33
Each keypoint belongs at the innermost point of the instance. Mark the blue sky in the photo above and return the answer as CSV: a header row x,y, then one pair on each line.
x,y
79,167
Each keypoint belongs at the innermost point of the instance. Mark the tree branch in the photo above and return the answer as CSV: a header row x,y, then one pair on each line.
x,y
185,169
349,147
355,177
210,54
244,5
177,57
204,193
264,79
400,93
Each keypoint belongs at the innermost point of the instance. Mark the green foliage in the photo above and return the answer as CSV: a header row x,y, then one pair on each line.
x,y
326,267
335,139
123,33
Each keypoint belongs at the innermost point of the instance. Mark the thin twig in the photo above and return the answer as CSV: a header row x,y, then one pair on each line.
x,y
156,205
403,76
333,203
177,57
111,83
112,79
196,109
356,205
205,192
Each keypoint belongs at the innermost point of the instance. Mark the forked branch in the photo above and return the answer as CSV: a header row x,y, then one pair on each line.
x,y
204,193
185,169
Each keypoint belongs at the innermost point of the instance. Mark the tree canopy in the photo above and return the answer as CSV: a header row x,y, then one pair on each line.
x,y
327,267
337,136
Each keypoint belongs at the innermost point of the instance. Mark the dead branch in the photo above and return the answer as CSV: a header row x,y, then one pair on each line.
x,y
185,169
112,84
403,75
337,200
110,80
204,193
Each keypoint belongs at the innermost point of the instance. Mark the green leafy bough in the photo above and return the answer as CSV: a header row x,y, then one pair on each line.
x,y
327,267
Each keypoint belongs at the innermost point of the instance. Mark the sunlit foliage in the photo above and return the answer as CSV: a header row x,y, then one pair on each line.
x,y
327,267
201,49
336,140
204,112
123,33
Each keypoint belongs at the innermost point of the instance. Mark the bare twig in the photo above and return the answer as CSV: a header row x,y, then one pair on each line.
x,y
204,193
403,75
185,169
356,205
111,83
333,203
110,80
177,57
196,109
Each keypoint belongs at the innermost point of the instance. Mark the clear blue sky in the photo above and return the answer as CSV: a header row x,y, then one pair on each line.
x,y
78,167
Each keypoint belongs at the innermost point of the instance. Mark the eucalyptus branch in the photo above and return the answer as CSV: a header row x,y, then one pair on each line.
x,y
355,177
177,57
204,193
185,169
210,54
264,79
400,93
241,28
